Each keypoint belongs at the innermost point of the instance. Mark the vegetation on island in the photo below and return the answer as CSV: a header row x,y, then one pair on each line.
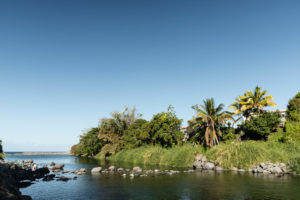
x,y
1,151
242,138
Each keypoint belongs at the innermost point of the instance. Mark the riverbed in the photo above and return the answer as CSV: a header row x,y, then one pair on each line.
x,y
205,185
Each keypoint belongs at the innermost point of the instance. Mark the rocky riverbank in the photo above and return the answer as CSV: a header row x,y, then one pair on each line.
x,y
279,169
13,177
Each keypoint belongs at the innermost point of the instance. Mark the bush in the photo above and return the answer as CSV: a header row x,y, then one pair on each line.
x,y
261,126
164,129
89,144
293,108
136,135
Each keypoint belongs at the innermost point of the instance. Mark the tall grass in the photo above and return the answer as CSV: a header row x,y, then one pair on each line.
x,y
247,154
179,156
231,154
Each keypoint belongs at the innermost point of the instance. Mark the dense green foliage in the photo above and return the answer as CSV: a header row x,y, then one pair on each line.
x,y
126,138
136,135
178,156
111,130
208,122
260,126
164,129
293,108
89,144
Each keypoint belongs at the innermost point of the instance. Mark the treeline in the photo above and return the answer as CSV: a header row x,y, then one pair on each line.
x,y
127,130
210,125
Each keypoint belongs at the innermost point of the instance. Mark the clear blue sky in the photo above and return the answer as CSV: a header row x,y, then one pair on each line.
x,y
66,64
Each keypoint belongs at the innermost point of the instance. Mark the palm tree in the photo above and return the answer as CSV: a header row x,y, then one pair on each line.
x,y
211,118
252,102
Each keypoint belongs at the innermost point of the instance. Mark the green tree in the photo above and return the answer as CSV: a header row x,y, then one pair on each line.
x,y
209,120
164,129
136,135
252,102
111,130
89,144
259,127
293,108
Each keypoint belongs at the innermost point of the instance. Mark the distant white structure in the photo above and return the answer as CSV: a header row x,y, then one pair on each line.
x,y
185,136
283,114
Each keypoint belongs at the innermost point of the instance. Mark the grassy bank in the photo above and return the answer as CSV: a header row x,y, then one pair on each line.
x,y
2,156
246,154
179,156
231,154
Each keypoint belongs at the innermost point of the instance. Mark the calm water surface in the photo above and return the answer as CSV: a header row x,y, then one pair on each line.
x,y
200,185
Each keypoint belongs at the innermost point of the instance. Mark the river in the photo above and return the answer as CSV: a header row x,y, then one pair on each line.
x,y
205,185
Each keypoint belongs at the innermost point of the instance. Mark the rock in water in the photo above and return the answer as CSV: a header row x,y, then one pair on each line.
x,y
209,166
96,170
112,168
137,169
82,170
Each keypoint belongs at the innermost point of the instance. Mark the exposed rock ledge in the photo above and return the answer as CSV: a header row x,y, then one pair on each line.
x,y
12,177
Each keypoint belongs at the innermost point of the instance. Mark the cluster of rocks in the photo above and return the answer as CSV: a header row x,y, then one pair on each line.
x,y
270,168
134,172
201,162
13,177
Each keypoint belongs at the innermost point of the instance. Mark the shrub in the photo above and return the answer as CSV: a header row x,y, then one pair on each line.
x,y
164,129
136,135
89,144
293,108
261,126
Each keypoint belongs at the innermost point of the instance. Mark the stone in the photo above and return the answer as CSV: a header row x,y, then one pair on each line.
x,y
63,178
254,170
49,177
96,170
209,166
82,170
259,170
137,169
282,165
219,169
112,168
52,164
120,169
265,172
156,171
124,175
241,170
59,166
276,170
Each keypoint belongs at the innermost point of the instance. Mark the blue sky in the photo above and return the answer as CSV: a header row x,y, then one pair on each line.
x,y
66,64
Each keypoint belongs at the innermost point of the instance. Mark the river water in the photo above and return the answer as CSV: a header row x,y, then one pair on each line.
x,y
199,185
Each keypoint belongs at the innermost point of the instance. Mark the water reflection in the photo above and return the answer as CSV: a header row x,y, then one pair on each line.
x,y
204,185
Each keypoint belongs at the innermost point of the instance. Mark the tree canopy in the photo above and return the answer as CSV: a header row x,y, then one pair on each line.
x,y
208,121
252,102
